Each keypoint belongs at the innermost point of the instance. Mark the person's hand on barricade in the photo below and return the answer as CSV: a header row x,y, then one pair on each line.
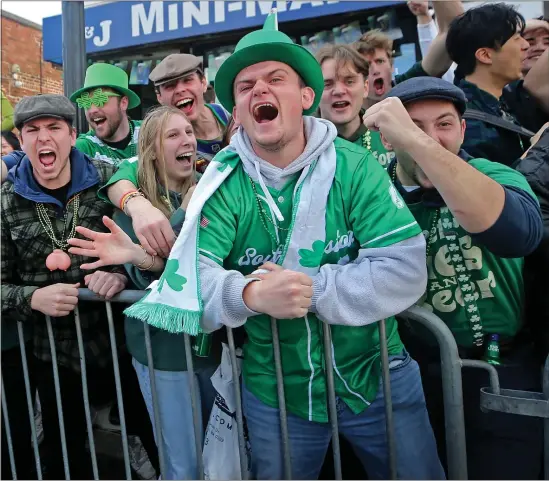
x,y
280,293
106,284
111,248
57,300
151,227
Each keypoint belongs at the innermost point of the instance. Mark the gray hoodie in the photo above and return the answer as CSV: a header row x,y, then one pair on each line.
x,y
355,294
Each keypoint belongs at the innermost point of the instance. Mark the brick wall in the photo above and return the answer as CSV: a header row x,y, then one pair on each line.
x,y
21,45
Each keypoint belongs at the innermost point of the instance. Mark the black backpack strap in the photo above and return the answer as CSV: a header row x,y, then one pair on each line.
x,y
471,114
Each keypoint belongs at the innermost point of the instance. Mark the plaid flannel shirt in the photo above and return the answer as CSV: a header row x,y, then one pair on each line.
x,y
25,246
486,141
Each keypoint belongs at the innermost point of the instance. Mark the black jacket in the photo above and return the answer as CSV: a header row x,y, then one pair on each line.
x,y
535,167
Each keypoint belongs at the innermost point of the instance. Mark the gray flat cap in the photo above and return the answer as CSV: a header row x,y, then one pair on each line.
x,y
422,88
48,105
175,66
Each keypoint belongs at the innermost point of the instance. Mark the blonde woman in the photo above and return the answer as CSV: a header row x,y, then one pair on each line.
x,y
167,175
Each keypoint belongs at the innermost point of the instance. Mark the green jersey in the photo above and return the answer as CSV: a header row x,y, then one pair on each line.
x,y
235,236
472,290
371,141
93,146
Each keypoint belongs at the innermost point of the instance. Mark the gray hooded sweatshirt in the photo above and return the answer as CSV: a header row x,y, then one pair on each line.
x,y
355,294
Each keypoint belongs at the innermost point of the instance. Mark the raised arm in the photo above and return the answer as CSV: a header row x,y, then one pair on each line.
x,y
437,61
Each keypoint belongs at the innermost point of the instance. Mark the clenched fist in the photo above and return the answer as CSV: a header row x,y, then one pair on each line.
x,y
57,300
280,293
391,118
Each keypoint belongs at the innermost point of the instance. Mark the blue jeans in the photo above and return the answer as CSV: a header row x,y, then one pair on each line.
x,y
176,417
416,449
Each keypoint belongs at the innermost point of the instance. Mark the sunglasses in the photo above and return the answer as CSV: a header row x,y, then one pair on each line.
x,y
97,98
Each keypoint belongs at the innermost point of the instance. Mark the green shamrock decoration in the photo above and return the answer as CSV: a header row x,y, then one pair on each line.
x,y
312,258
170,275
98,98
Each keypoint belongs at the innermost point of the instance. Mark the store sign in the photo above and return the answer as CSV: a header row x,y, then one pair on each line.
x,y
125,24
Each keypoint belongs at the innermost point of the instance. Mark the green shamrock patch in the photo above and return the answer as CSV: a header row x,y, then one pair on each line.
x,y
312,258
170,275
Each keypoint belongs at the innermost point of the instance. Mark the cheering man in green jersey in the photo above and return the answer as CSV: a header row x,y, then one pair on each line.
x,y
106,99
480,219
337,247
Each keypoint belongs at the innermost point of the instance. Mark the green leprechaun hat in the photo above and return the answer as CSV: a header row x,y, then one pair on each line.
x,y
264,45
106,75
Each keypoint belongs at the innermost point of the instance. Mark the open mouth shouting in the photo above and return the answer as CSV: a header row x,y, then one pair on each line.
x,y
379,87
185,159
264,113
47,158
340,105
99,121
185,105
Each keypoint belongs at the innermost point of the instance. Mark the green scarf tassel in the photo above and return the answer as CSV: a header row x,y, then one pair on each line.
x,y
165,317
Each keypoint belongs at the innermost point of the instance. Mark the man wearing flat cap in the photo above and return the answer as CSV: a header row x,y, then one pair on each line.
x,y
179,81
52,190
480,218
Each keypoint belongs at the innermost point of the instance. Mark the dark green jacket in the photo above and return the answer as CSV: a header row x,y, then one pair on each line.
x,y
168,349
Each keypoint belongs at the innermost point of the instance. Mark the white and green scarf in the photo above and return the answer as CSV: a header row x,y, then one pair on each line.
x,y
174,302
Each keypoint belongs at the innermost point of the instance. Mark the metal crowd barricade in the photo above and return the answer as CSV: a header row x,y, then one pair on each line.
x,y
492,398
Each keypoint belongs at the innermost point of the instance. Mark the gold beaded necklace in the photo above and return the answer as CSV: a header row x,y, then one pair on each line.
x,y
46,224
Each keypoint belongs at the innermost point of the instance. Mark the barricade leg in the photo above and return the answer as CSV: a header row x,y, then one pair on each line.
x,y
30,399
386,377
8,431
119,397
154,396
89,423
330,385
451,389
58,399
197,419
281,401
546,419
238,401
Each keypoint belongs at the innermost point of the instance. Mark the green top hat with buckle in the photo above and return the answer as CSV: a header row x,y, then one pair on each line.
x,y
101,75
265,45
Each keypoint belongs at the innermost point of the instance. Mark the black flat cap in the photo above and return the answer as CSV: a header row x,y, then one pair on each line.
x,y
175,66
48,105
423,88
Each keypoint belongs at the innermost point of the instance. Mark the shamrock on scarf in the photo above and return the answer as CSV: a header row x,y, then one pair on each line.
x,y
463,278
170,275
457,258
453,247
476,327
472,308
312,258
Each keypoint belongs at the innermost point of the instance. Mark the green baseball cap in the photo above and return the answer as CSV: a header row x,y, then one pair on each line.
x,y
268,44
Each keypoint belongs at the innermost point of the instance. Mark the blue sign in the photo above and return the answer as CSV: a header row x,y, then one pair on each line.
x,y
118,25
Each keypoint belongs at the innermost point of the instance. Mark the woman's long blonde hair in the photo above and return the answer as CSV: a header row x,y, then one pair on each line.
x,y
152,164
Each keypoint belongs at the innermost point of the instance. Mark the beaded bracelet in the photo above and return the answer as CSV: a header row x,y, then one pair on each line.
x,y
121,203
129,197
